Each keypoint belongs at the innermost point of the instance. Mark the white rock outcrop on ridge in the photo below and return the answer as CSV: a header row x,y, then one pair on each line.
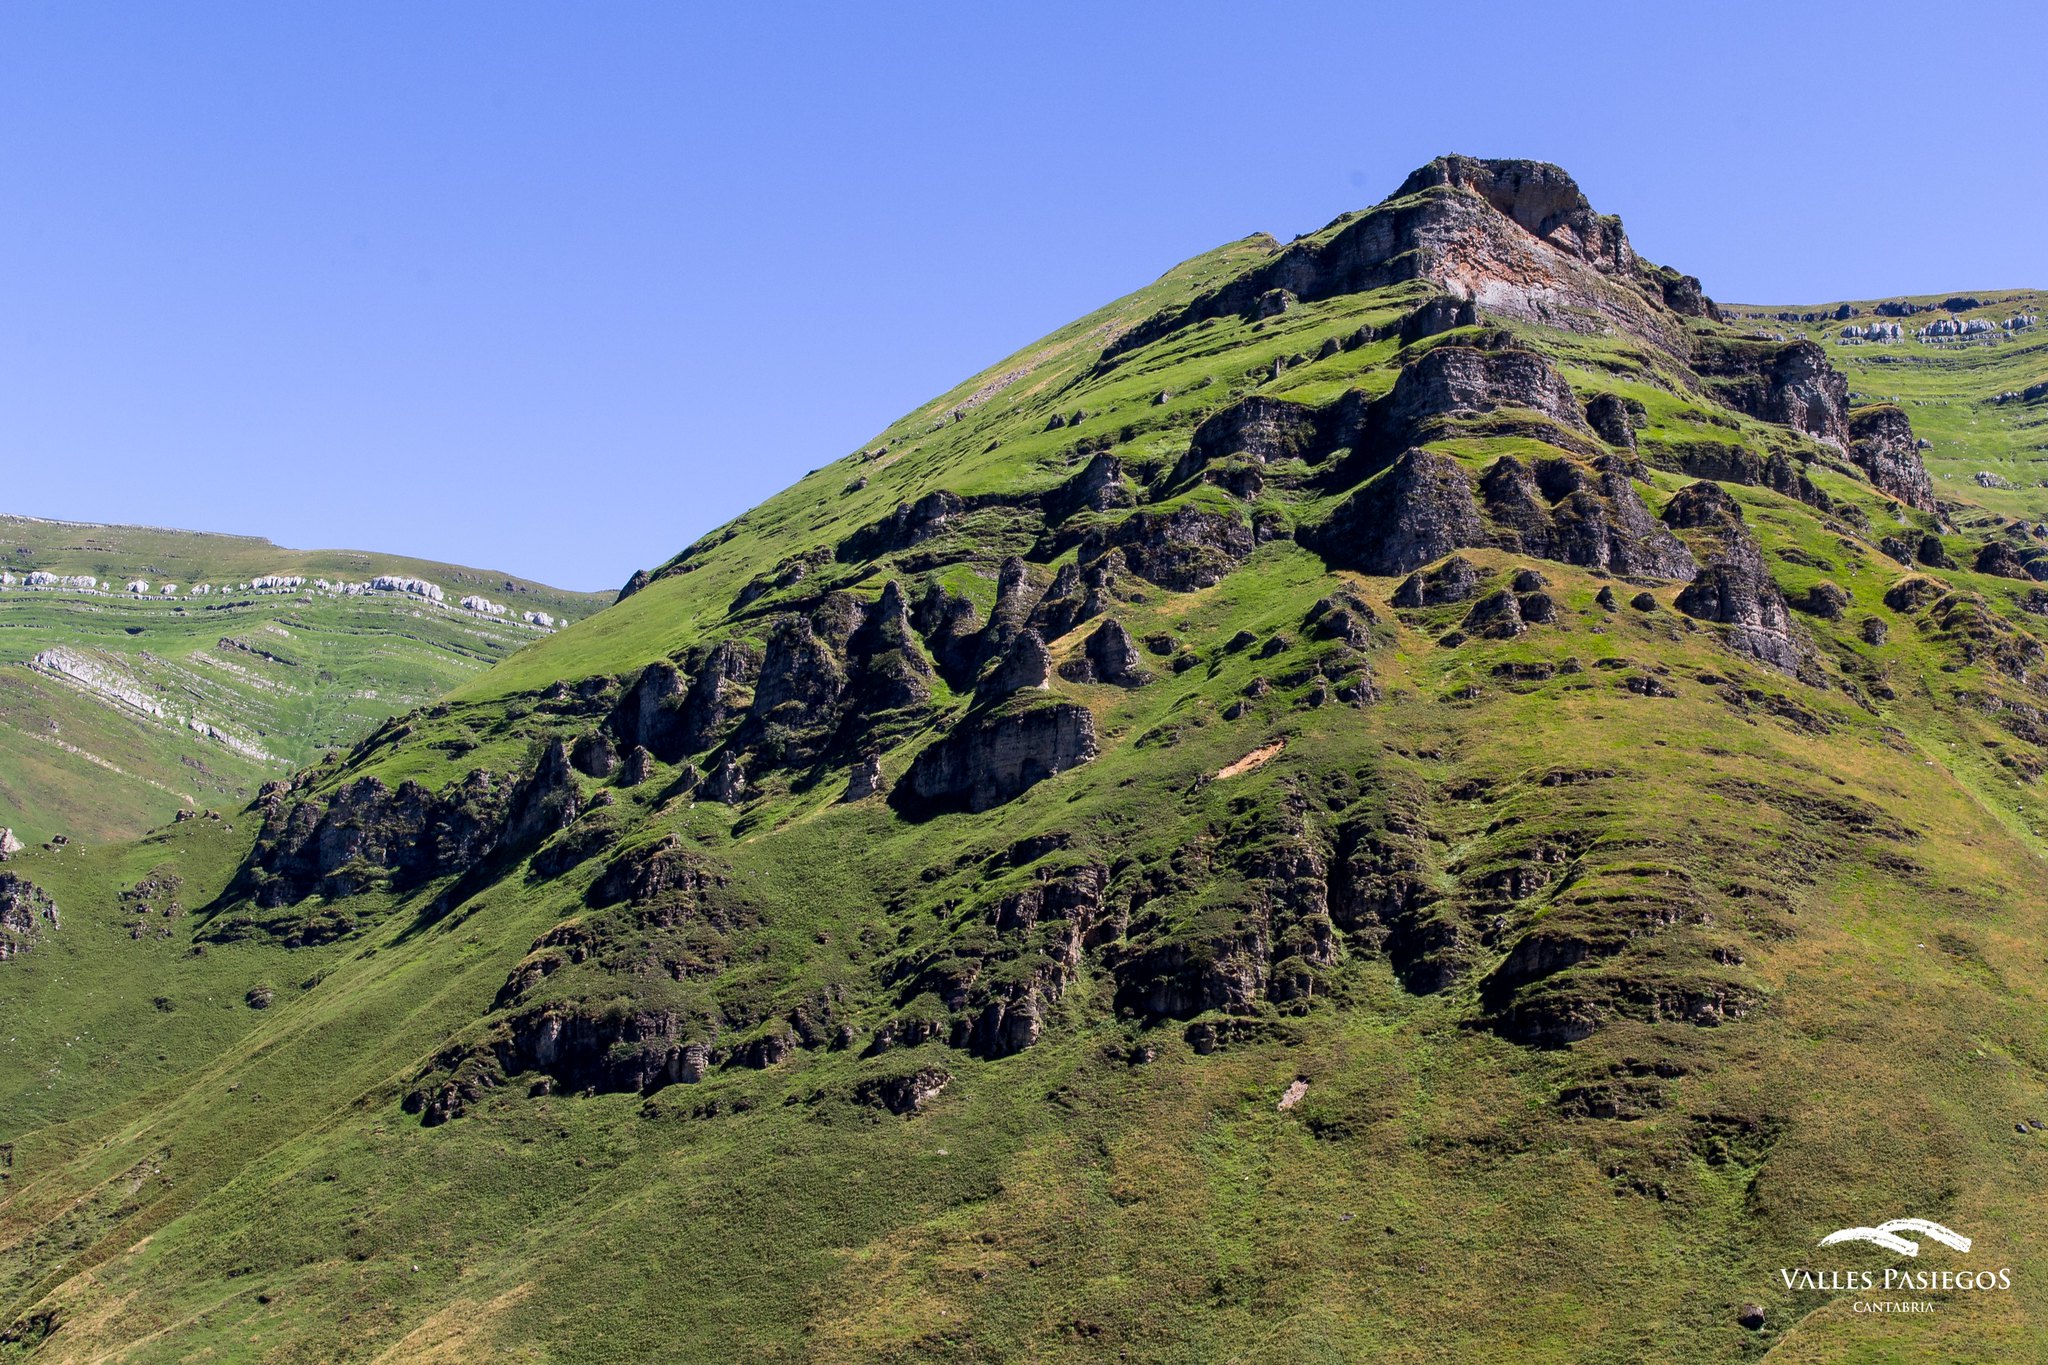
x,y
417,587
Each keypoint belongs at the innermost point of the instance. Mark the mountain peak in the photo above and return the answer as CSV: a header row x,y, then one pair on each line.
x,y
1537,195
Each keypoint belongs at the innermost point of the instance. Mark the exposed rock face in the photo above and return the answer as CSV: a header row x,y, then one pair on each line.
x,y
1788,383
1615,419
2000,559
1734,464
595,755
951,627
1184,549
365,832
865,780
1261,429
546,801
1098,487
1561,510
1418,511
728,781
1882,445
1453,379
989,759
1933,553
910,524
671,717
638,767
1517,238
26,913
9,845
1454,580
1735,588
906,1094
1110,655
1496,616
1026,664
1444,313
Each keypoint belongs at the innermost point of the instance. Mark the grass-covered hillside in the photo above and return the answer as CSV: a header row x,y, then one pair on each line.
x,y
1967,393
1416,794
120,706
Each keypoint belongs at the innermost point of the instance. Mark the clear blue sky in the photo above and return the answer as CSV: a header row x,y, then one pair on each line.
x,y
555,288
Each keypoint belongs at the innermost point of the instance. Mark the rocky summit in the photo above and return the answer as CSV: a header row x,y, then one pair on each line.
x,y
1391,796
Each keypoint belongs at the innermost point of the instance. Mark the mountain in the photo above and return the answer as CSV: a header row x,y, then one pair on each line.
x,y
147,671
1419,793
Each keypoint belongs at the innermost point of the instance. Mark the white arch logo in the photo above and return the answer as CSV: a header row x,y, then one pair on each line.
x,y
1887,1236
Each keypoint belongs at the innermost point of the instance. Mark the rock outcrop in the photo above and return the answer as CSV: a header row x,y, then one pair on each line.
x,y
1563,510
1883,447
1454,580
1735,589
1516,238
1452,380
1615,419
993,757
1789,383
1416,512
1109,655
27,913
1183,549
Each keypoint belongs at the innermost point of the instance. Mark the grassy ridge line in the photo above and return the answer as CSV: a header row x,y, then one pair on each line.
x,y
115,553
285,674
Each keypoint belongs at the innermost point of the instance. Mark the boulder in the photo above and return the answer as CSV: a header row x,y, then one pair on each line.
x,y
1913,592
1826,600
1933,553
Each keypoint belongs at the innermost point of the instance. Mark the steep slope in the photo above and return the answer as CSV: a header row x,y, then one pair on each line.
x,y
1414,794
145,671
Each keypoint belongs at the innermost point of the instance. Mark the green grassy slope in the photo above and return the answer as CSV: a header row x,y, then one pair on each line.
x,y
278,676
1396,990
